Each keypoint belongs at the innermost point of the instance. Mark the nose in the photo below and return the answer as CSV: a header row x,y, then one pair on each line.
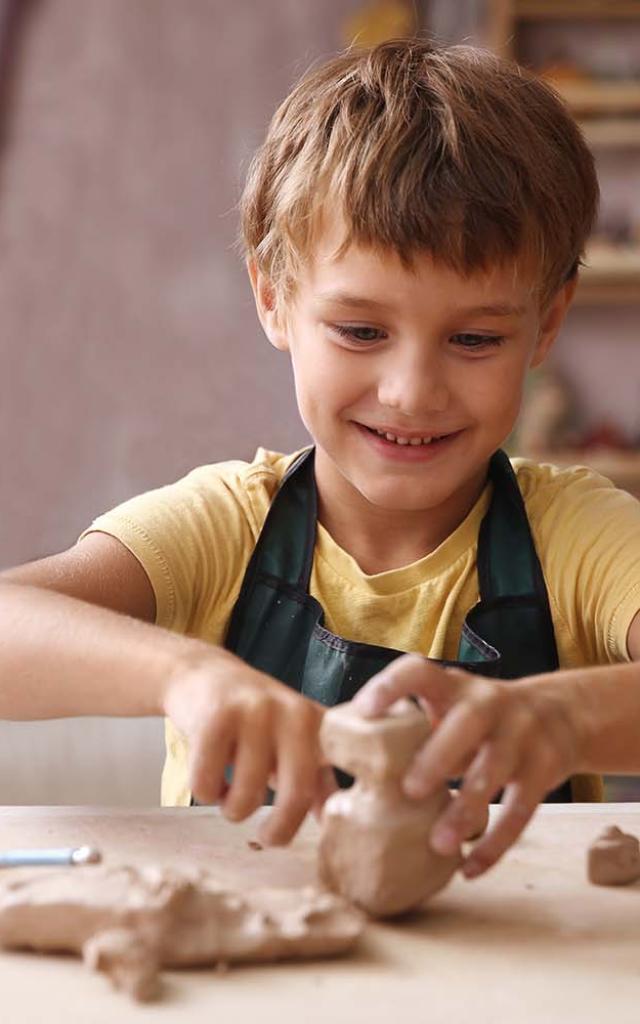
x,y
413,384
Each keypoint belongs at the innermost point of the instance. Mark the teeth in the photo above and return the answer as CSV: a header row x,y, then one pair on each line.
x,y
414,441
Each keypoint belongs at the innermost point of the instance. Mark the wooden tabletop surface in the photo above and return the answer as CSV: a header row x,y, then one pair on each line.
x,y
532,941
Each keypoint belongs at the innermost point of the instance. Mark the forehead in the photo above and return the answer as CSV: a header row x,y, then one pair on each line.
x,y
338,273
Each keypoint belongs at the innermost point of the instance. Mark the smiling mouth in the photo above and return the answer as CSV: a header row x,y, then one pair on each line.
x,y
403,441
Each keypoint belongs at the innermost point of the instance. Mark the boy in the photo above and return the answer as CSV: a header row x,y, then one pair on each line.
x,y
413,226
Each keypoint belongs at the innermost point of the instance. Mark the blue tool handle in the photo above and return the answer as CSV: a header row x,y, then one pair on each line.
x,y
50,857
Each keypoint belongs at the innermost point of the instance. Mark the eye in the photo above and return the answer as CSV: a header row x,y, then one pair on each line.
x,y
358,335
477,341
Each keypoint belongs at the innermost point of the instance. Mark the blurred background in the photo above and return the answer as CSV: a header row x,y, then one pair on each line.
x,y
128,329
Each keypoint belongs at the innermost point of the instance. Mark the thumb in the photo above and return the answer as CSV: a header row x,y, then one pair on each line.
x,y
411,676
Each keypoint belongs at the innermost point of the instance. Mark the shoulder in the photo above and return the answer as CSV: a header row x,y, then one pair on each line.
x,y
570,507
249,486
549,490
194,536
587,535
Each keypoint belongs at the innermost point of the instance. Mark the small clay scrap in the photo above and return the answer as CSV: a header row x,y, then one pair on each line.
x,y
374,846
129,922
613,858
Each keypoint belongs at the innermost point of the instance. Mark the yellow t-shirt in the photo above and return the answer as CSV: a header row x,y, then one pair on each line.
x,y
194,539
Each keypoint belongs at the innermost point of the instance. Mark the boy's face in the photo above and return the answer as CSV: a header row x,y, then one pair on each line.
x,y
436,360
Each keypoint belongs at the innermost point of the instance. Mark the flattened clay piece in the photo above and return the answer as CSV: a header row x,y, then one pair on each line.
x,y
126,960
374,846
614,858
128,921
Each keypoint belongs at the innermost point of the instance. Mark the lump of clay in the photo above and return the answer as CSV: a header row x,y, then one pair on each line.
x,y
614,858
374,847
128,922
125,958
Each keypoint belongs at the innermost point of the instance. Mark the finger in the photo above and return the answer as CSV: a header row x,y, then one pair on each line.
x,y
410,675
455,742
209,754
326,784
467,815
252,764
518,806
296,791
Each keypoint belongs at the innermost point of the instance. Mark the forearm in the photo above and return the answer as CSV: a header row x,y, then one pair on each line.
x,y
601,707
60,656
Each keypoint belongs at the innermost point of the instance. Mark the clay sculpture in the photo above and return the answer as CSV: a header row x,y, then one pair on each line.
x,y
374,847
613,858
128,922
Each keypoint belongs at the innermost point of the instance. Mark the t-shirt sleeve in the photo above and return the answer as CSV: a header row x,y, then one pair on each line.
x,y
587,534
194,539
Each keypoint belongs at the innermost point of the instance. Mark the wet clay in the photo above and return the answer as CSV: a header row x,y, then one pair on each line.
x,y
128,922
374,847
613,858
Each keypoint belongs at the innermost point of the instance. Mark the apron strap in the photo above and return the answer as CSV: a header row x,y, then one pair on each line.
x,y
285,547
508,565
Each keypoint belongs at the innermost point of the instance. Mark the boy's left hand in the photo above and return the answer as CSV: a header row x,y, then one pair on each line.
x,y
516,735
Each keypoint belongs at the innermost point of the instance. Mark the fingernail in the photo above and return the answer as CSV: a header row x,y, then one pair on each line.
x,y
471,869
444,840
366,705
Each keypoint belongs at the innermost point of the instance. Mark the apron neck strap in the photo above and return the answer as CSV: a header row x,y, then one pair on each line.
x,y
508,565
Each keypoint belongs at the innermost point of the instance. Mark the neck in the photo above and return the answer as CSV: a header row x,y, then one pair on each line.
x,y
381,539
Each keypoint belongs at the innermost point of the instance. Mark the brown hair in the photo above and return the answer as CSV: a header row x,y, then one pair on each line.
x,y
452,151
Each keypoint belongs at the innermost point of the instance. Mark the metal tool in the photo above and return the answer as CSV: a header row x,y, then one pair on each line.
x,y
50,857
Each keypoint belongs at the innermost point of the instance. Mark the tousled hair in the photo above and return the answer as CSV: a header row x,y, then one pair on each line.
x,y
448,150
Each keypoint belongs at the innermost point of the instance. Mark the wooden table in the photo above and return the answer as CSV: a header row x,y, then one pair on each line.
x,y
530,942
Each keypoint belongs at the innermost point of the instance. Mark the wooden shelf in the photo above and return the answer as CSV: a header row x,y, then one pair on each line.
x,y
599,97
610,276
579,10
611,132
622,468
607,291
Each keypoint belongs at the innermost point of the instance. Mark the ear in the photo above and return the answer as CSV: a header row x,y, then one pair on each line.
x,y
266,306
552,320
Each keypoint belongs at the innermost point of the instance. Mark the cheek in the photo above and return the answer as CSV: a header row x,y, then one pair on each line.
x,y
496,393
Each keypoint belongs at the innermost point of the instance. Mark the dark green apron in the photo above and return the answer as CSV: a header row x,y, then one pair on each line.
x,y
277,627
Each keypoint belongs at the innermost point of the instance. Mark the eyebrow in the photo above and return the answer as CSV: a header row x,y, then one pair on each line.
x,y
502,309
494,309
353,301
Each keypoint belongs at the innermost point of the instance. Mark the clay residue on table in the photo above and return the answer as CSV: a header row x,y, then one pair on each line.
x,y
128,922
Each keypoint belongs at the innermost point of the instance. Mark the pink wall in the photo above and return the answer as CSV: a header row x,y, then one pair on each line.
x,y
129,347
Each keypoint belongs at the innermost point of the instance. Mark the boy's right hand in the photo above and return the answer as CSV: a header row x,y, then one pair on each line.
x,y
231,714
517,736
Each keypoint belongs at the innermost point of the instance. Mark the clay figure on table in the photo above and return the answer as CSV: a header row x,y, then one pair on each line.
x,y
374,844
414,225
613,858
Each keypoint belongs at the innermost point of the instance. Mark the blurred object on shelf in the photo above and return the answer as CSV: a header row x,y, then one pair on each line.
x,y
379,20
549,415
550,430
605,435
